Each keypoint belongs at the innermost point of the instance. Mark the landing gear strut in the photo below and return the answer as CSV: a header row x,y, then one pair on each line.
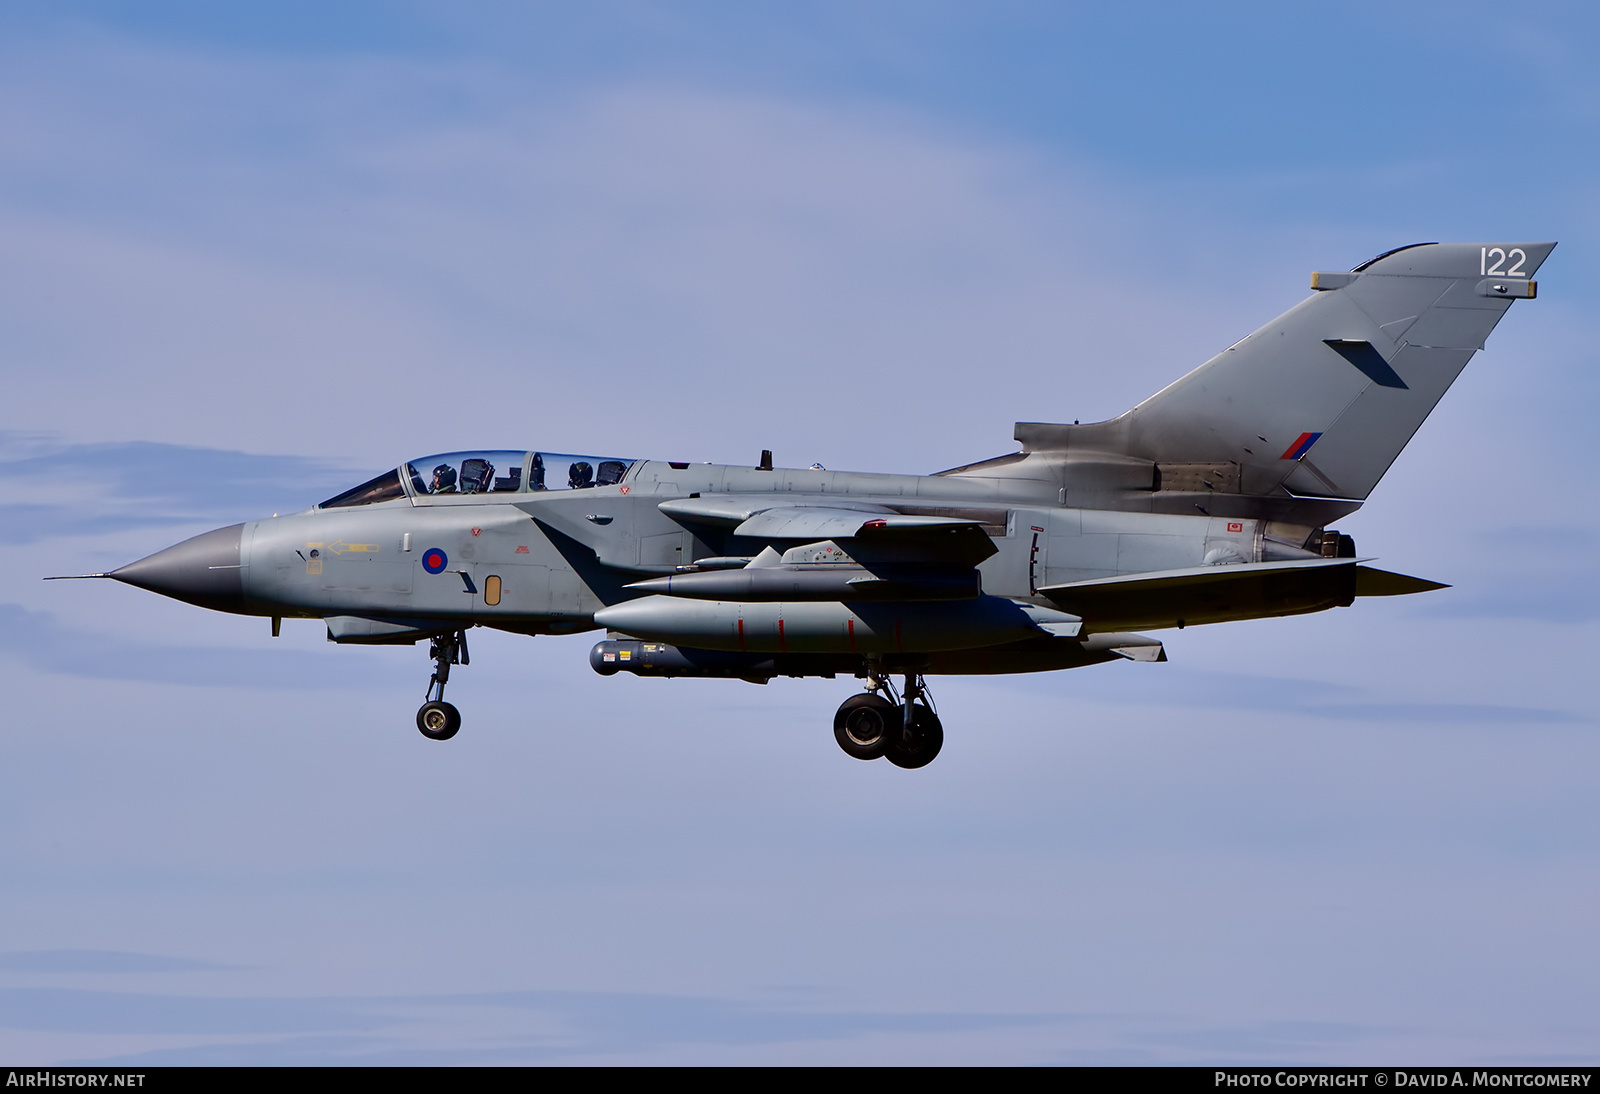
x,y
904,729
437,719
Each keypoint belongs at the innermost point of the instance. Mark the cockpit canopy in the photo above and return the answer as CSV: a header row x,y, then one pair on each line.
x,y
466,473
500,471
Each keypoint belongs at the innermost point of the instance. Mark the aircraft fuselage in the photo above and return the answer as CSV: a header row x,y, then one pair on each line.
x,y
545,562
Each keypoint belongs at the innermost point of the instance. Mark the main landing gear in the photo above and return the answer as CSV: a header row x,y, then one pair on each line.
x,y
880,723
437,719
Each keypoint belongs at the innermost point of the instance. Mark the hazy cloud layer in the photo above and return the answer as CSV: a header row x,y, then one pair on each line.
x,y
96,961
54,489
37,640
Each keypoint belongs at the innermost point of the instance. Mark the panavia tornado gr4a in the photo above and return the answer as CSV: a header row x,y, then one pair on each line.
x,y
1208,502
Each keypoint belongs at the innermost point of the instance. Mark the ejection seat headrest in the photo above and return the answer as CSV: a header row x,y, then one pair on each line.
x,y
475,475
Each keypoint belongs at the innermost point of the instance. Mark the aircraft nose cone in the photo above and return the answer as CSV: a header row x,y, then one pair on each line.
x,y
204,570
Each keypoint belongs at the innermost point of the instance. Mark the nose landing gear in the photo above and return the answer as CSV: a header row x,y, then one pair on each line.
x,y
437,719
905,730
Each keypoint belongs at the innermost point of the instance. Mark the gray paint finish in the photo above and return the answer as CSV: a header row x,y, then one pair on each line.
x,y
1205,503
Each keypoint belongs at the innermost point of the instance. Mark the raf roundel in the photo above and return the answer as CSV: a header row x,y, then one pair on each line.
x,y
434,561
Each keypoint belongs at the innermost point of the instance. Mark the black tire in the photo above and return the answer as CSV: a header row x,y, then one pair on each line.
x,y
438,721
864,724
918,747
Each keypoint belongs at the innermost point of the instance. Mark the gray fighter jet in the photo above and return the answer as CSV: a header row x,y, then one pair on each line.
x,y
1210,501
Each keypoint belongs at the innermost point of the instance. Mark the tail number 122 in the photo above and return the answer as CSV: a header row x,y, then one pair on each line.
x,y
1502,256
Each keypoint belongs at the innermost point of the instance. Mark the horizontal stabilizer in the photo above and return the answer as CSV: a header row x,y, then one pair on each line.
x,y
1208,594
1371,582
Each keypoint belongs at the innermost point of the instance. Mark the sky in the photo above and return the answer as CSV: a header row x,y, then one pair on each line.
x,y
254,254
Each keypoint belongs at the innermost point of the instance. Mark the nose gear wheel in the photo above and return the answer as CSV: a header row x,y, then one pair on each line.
x,y
437,719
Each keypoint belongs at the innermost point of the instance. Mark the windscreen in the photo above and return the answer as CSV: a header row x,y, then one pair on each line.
x,y
385,487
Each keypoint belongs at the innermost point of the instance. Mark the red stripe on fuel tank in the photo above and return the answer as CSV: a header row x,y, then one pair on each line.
x,y
783,646
741,635
851,624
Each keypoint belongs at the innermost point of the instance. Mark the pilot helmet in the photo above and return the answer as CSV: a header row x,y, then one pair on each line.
x,y
444,478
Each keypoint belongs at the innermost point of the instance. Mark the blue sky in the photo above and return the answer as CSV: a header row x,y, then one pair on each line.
x,y
253,255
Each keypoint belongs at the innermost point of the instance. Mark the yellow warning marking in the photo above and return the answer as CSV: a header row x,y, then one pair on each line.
x,y
340,547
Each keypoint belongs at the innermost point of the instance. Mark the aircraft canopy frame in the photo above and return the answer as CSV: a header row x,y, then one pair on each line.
x,y
475,472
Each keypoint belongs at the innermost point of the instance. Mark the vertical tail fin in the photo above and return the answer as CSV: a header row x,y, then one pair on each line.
x,y
1321,400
